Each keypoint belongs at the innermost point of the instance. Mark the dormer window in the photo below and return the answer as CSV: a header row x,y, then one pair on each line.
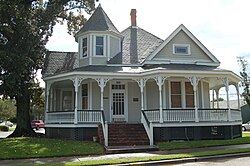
x,y
181,49
84,47
99,46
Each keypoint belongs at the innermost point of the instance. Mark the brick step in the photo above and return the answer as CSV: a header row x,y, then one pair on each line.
x,y
127,135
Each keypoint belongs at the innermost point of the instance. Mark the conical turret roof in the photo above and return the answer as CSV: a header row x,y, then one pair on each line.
x,y
99,21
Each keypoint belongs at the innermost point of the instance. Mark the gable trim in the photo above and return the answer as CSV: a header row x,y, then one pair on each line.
x,y
173,34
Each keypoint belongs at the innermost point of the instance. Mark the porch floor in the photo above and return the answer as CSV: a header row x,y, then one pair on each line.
x,y
130,149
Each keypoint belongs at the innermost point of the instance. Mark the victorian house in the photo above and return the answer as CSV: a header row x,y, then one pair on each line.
x,y
133,88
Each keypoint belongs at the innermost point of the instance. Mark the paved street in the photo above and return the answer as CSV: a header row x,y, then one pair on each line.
x,y
240,161
5,134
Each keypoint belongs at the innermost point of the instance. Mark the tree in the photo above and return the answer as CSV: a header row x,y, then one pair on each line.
x,y
25,28
245,79
7,109
37,102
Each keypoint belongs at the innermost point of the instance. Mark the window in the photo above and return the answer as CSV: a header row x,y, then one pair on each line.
x,y
85,96
67,101
99,45
189,95
176,95
84,47
181,49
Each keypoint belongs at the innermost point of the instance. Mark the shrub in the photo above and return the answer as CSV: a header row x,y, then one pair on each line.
x,y
4,128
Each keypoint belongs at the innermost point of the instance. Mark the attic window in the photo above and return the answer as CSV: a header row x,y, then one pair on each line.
x,y
84,47
181,49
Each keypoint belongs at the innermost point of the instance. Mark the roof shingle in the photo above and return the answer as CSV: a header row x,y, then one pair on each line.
x,y
137,45
58,62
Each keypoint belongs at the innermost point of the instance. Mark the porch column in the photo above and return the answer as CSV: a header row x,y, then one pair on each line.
x,y
228,104
194,81
142,82
47,92
238,95
226,84
213,98
76,82
160,81
217,97
102,83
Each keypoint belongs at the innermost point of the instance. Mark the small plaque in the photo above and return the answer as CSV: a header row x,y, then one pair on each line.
x,y
135,99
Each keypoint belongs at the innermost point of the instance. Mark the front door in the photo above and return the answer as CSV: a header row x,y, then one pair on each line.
x,y
118,102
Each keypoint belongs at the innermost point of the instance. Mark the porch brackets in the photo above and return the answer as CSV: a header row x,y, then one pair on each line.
x,y
102,83
160,81
76,82
194,82
141,83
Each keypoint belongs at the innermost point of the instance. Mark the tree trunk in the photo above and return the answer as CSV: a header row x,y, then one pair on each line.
x,y
23,127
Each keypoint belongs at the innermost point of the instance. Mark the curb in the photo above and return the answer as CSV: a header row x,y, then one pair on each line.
x,y
186,160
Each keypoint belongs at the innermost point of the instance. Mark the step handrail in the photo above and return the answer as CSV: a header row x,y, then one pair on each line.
x,y
148,127
104,128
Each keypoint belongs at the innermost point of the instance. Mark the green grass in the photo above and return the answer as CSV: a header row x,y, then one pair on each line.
x,y
155,158
25,147
245,139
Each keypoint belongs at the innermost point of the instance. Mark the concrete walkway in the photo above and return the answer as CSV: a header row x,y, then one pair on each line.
x,y
120,156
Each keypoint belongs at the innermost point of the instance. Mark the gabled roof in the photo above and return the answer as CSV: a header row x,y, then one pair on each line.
x,y
58,62
99,21
137,45
187,32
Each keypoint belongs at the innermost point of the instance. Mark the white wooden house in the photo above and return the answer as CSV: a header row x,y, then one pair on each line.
x,y
132,88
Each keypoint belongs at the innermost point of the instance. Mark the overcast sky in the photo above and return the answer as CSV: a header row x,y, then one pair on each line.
x,y
221,25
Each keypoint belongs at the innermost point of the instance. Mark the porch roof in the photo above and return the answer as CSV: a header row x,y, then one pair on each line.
x,y
178,70
59,62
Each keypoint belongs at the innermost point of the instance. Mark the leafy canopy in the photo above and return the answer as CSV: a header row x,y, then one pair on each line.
x,y
25,28
245,79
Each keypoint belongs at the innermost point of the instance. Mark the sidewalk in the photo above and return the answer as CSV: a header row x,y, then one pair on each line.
x,y
125,155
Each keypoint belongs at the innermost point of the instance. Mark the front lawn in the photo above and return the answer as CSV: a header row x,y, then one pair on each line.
x,y
245,139
25,147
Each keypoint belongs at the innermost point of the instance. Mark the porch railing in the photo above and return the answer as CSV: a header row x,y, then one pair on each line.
x,y
236,114
213,114
178,115
89,116
61,117
83,116
188,115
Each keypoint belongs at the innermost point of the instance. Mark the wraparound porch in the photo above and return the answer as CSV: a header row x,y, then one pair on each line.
x,y
150,119
180,99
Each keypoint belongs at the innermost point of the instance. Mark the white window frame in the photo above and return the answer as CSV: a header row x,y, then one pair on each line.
x,y
86,47
104,45
183,93
182,45
61,97
88,85
80,41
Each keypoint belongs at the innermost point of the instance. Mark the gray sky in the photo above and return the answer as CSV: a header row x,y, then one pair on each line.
x,y
221,25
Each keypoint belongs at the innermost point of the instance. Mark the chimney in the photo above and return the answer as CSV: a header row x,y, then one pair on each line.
x,y
133,17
